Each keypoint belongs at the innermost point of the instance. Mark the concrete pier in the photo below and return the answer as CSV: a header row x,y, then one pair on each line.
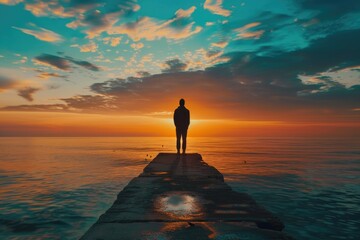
x,y
182,197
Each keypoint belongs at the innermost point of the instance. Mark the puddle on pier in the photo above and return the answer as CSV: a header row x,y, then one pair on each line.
x,y
179,205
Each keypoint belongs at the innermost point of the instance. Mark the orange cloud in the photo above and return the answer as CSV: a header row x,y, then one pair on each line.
x,y
42,34
244,32
215,7
221,44
90,47
151,29
201,58
97,22
55,8
137,46
10,2
47,75
181,13
112,41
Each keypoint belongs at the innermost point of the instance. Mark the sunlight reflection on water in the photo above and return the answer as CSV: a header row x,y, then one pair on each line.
x,y
57,187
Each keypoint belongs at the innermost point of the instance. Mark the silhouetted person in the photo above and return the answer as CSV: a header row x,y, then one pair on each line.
x,y
182,122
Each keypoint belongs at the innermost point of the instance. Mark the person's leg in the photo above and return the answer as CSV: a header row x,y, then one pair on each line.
x,y
184,135
178,135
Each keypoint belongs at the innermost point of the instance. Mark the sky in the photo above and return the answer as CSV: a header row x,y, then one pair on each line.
x,y
119,68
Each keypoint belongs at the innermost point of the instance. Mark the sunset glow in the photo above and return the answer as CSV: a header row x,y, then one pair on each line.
x,y
245,68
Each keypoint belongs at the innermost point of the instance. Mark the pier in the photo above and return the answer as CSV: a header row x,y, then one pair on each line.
x,y
182,197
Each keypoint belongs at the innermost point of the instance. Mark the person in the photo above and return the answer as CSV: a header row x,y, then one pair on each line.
x,y
182,122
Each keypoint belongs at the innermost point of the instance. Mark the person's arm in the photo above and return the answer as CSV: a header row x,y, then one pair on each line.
x,y
188,118
174,117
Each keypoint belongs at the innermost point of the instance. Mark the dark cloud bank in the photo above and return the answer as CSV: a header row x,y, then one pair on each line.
x,y
249,86
64,63
7,83
27,93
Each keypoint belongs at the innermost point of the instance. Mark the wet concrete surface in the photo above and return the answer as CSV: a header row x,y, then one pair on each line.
x,y
182,197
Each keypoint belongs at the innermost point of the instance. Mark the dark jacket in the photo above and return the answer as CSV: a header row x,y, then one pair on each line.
x,y
182,117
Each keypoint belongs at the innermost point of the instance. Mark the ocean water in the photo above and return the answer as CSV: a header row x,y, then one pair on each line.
x,y
56,188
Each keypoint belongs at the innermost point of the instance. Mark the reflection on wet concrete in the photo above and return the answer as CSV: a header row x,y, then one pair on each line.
x,y
178,230
179,205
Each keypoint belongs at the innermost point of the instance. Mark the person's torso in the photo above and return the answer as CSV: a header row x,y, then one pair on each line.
x,y
181,117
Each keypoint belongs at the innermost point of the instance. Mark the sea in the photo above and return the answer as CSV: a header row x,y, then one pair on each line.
x,y
57,187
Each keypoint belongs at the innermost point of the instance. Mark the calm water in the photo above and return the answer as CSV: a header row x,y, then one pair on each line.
x,y
56,188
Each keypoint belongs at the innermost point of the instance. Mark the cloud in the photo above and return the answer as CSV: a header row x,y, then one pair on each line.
x,y
215,7
310,22
90,102
181,13
251,86
147,58
38,108
93,16
10,2
245,33
330,9
7,83
84,64
101,58
174,65
137,46
112,41
95,22
202,59
120,58
344,77
53,61
19,82
47,75
221,44
63,63
42,34
247,86
78,103
28,93
151,29
142,74
286,69
160,114
23,59
90,47
352,68
140,95
60,9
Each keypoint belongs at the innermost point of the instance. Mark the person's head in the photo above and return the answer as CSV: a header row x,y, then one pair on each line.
x,y
182,102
